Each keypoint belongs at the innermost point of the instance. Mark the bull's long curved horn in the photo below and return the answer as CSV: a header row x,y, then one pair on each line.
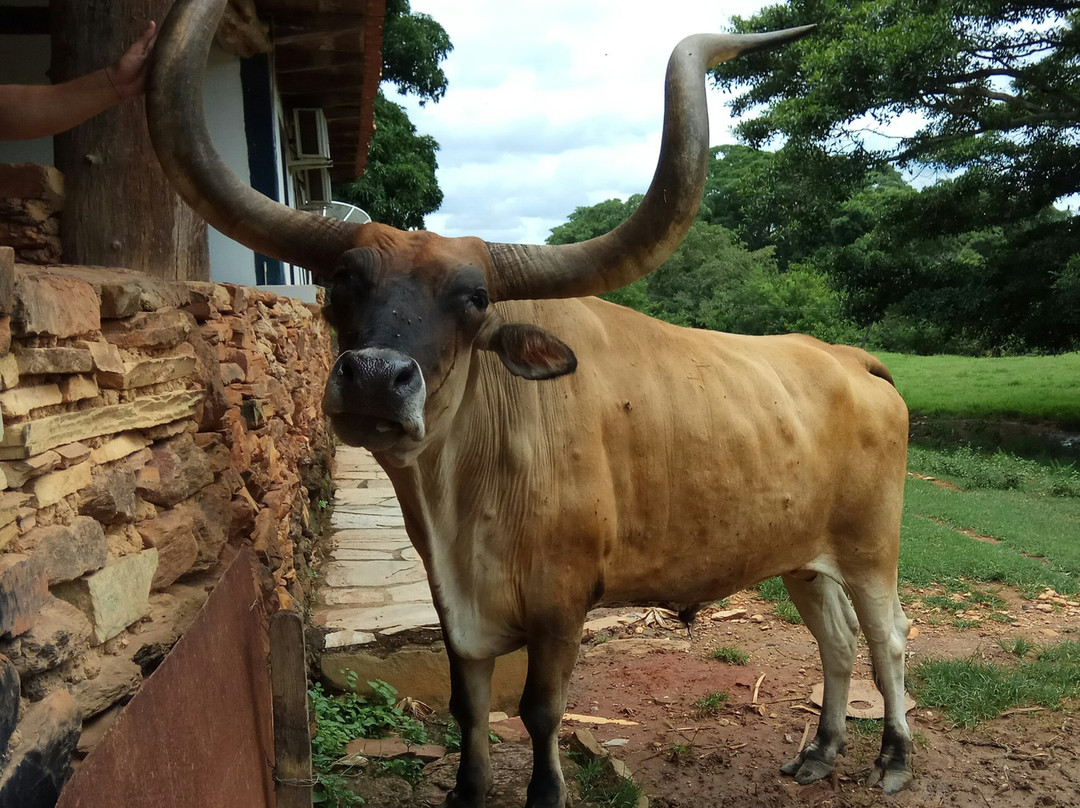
x,y
174,111
651,234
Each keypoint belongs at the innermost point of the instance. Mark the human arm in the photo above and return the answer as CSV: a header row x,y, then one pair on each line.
x,y
32,111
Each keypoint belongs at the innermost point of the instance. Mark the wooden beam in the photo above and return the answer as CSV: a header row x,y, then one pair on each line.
x,y
316,6
288,688
291,60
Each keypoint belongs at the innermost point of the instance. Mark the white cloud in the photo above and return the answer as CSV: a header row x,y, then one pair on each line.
x,y
553,105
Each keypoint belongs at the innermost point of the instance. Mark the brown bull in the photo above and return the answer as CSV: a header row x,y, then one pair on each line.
x,y
656,464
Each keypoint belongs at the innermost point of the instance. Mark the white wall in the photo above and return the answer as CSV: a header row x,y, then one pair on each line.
x,y
224,101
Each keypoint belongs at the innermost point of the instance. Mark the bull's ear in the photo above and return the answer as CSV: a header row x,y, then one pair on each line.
x,y
531,352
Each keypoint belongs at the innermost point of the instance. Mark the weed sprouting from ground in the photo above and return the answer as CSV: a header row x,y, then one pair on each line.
x,y
730,654
343,718
710,704
602,787
1018,647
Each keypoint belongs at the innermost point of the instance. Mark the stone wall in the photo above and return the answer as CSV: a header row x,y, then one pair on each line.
x,y
148,429
31,199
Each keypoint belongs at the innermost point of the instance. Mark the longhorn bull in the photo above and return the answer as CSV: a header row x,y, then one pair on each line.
x,y
656,463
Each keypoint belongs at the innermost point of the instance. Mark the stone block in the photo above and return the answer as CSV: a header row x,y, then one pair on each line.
x,y
72,453
118,677
9,705
182,468
9,372
150,371
77,388
54,305
424,673
24,588
20,401
172,535
110,497
5,334
106,356
113,597
119,447
32,181
54,360
39,767
61,633
50,488
210,515
68,551
33,437
18,472
8,533
149,329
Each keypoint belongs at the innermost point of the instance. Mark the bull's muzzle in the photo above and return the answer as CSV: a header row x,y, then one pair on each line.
x,y
377,390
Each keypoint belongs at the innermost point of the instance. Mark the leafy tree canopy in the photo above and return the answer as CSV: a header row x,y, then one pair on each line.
x,y
987,87
399,186
414,46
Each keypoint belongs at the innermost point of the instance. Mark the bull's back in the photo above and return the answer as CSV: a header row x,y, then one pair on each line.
x,y
706,458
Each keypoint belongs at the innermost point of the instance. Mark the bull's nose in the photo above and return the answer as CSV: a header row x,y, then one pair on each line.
x,y
378,383
378,374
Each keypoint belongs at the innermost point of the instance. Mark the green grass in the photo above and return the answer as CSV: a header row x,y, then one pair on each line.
x,y
600,786
711,704
730,654
1033,388
972,690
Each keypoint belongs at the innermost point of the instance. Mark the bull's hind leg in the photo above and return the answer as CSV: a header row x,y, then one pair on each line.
x,y
553,649
830,618
470,703
886,626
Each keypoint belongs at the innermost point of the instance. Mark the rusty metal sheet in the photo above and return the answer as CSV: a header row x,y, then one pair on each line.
x,y
199,731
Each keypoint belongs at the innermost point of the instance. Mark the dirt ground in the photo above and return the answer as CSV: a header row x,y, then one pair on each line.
x,y
1026,758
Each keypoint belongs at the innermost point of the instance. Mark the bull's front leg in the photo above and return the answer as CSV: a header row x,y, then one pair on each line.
x,y
470,704
553,648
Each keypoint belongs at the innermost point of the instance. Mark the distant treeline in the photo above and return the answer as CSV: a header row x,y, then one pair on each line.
x,y
778,247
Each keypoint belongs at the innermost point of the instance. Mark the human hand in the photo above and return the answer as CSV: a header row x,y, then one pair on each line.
x,y
127,75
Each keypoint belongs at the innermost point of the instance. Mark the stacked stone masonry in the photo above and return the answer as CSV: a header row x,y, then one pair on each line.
x,y
31,201
147,429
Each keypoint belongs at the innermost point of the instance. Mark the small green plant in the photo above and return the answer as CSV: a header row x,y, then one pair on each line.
x,y
963,624
942,602
998,617
406,768
787,612
342,718
711,703
679,752
601,786
730,654
1018,647
865,727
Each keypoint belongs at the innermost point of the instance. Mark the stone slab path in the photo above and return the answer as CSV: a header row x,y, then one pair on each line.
x,y
374,583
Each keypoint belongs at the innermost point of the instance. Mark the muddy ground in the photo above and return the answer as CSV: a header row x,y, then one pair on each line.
x,y
682,760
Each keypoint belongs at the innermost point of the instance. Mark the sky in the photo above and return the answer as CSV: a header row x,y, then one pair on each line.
x,y
552,105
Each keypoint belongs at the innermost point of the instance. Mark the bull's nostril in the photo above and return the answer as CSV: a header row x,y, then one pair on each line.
x,y
404,377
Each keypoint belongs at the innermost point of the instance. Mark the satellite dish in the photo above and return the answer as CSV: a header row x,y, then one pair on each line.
x,y
343,211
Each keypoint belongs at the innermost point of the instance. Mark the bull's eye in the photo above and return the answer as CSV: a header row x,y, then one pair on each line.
x,y
479,298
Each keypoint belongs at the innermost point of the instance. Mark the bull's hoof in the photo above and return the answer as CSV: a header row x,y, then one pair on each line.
x,y
890,780
454,800
806,770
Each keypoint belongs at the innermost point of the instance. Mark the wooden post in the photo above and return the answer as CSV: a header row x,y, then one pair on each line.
x,y
119,209
288,687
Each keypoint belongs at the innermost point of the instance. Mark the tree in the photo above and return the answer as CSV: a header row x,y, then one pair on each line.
x,y
993,86
990,93
399,186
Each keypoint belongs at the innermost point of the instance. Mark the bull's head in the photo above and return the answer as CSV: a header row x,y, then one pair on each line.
x,y
412,308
